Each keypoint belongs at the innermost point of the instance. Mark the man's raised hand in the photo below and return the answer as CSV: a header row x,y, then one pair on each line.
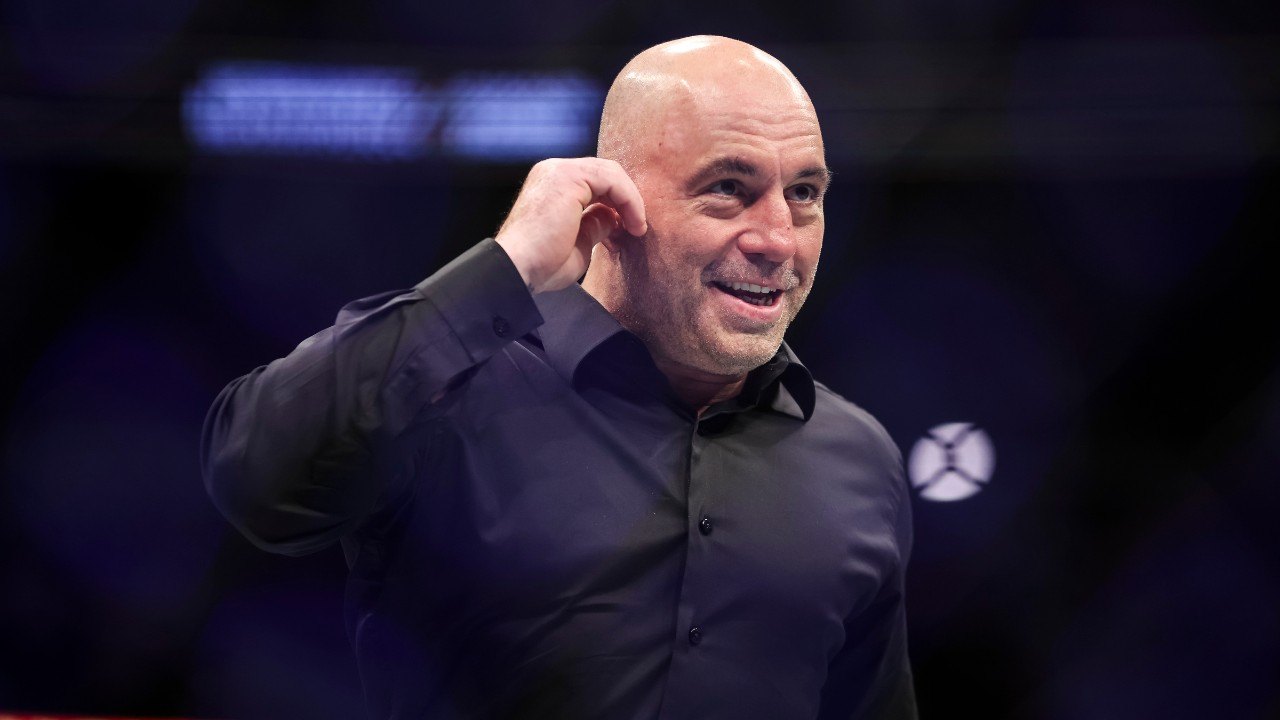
x,y
564,208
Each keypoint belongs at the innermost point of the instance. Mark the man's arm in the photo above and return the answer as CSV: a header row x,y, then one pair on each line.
x,y
870,677
295,453
292,451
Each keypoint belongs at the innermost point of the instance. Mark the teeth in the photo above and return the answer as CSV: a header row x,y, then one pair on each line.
x,y
758,294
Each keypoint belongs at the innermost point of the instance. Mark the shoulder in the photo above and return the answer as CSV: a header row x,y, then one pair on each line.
x,y
866,442
833,411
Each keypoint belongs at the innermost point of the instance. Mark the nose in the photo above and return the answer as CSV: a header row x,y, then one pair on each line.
x,y
771,234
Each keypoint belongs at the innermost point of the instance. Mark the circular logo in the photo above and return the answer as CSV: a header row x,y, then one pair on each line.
x,y
952,462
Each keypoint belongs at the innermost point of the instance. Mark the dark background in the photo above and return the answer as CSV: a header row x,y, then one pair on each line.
x,y
1050,219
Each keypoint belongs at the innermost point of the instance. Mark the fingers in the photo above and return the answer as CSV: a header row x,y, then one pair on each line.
x,y
565,207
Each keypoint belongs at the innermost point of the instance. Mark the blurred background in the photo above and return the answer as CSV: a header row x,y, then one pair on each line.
x,y
1045,271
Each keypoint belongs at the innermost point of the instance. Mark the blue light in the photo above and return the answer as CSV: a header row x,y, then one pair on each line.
x,y
388,113
505,117
279,108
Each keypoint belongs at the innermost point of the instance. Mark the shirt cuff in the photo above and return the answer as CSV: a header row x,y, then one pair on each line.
x,y
483,299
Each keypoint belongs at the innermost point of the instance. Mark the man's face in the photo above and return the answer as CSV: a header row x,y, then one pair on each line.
x,y
733,193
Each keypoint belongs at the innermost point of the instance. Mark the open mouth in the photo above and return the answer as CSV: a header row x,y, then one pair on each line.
x,y
748,293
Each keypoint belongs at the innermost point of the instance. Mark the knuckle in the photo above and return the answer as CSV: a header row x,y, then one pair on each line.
x,y
614,168
549,166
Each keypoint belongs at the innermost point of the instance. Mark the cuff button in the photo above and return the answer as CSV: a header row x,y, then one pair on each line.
x,y
500,326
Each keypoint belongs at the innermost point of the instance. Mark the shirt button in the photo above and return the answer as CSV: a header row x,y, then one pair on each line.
x,y
500,326
695,636
705,526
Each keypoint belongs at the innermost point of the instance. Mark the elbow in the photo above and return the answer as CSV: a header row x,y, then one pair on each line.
x,y
272,522
260,511
283,509
275,510
261,500
276,476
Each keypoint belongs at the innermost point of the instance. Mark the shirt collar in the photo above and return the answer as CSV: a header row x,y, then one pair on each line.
x,y
575,325
796,395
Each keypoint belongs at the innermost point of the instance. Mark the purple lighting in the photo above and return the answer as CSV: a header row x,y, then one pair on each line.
x,y
500,117
368,112
386,113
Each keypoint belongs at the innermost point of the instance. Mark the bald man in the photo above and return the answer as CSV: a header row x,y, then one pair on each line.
x,y
620,499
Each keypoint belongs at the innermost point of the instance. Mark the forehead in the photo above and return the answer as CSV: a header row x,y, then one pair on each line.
x,y
764,125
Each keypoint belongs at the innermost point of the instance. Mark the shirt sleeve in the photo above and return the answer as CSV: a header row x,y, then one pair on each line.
x,y
293,454
870,677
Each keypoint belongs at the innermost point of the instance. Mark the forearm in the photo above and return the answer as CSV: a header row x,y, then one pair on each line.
x,y
292,451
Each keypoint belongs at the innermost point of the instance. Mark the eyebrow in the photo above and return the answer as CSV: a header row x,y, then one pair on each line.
x,y
822,174
737,166
722,166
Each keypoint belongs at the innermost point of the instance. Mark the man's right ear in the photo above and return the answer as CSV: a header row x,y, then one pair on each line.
x,y
618,234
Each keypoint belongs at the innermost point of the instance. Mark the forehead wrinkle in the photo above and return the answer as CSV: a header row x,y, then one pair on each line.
x,y
786,124
801,146
803,149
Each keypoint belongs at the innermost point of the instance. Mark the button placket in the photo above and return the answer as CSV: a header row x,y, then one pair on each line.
x,y
687,657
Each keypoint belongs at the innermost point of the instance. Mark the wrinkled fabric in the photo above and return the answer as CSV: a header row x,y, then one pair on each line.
x,y
536,527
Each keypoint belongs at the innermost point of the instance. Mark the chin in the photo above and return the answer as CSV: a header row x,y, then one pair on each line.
x,y
697,340
741,357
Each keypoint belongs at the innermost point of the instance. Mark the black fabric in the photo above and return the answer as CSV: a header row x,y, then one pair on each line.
x,y
535,524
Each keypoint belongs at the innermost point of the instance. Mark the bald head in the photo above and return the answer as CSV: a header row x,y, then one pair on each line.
x,y
726,154
686,78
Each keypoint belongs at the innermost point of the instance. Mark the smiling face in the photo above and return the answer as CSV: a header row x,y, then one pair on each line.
x,y
732,174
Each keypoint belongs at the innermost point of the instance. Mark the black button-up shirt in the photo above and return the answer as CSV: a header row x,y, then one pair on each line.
x,y
537,527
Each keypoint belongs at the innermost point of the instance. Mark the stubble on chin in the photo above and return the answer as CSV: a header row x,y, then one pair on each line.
x,y
734,353
689,334
678,324
747,351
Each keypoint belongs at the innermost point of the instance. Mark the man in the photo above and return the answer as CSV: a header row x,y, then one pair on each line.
x,y
625,499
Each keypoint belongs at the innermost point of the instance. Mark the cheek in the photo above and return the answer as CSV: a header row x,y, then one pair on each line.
x,y
808,251
678,257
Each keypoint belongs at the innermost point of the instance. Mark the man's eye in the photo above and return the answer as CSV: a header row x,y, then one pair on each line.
x,y
803,193
725,187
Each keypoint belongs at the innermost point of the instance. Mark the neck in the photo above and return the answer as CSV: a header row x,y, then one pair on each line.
x,y
699,389
696,388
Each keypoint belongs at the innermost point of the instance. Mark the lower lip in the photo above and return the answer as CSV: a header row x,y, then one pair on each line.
x,y
764,314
